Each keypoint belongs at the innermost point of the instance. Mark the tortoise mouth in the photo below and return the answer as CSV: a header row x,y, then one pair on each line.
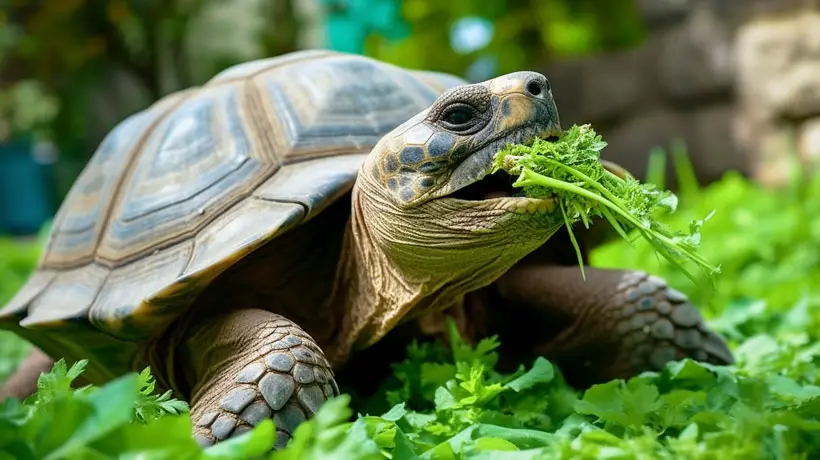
x,y
497,185
500,183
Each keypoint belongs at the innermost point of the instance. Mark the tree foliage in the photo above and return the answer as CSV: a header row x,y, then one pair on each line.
x,y
71,69
525,33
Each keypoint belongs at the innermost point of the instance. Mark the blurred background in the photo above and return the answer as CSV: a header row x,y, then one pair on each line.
x,y
733,84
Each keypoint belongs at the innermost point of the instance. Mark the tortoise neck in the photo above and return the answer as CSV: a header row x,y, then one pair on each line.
x,y
369,297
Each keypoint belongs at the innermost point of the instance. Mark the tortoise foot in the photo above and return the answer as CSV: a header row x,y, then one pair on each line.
x,y
616,324
265,367
657,324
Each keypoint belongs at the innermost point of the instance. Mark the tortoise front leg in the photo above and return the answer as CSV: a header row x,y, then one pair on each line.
x,y
616,324
251,365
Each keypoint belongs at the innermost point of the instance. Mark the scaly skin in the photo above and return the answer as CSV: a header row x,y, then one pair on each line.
x,y
616,324
251,365
409,248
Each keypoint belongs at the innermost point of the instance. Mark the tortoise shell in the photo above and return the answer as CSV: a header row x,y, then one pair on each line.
x,y
181,191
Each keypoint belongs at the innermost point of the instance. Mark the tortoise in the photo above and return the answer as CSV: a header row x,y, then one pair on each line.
x,y
251,237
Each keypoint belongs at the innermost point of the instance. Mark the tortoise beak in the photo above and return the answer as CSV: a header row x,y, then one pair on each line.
x,y
615,168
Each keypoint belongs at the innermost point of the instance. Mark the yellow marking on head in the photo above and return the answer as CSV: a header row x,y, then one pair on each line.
x,y
506,84
514,110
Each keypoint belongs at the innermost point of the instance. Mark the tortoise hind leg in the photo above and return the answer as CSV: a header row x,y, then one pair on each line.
x,y
251,365
23,383
616,324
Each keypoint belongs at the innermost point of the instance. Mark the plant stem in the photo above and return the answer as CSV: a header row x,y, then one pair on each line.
x,y
589,181
529,177
573,240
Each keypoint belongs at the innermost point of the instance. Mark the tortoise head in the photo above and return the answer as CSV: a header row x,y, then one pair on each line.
x,y
426,198
452,144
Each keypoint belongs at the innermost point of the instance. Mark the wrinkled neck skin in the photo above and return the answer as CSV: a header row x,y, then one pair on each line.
x,y
398,263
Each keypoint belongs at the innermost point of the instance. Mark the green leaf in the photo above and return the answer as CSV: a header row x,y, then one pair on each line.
x,y
791,392
150,406
507,455
108,409
493,444
166,438
517,437
541,372
569,172
404,448
616,402
690,371
395,413
256,442
329,435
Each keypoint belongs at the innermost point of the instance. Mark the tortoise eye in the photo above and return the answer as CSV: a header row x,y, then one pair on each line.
x,y
459,117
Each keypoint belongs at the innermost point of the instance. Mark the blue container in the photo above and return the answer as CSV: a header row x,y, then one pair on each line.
x,y
26,201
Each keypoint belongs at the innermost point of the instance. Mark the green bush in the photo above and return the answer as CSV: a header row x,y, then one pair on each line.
x,y
17,259
767,406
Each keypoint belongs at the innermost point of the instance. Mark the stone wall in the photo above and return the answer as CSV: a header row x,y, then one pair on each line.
x,y
730,78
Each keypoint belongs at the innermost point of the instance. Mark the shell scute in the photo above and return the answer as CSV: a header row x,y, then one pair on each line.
x,y
179,192
68,297
313,183
16,308
128,285
80,221
248,69
194,165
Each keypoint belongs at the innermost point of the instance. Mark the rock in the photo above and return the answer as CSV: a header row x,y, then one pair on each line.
x,y
769,164
778,91
732,79
694,61
712,146
737,13
603,87
630,142
659,13
808,141
778,63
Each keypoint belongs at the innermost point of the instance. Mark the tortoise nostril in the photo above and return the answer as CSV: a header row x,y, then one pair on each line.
x,y
534,88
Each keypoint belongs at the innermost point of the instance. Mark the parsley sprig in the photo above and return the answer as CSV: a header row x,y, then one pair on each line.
x,y
569,170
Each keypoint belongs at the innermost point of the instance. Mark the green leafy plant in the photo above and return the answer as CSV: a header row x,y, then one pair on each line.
x,y
569,171
765,239
451,402
17,259
766,406
26,108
